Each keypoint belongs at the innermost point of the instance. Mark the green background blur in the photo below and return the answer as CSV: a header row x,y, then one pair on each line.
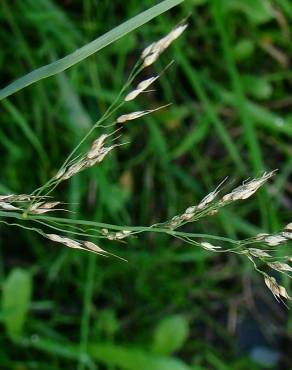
x,y
172,306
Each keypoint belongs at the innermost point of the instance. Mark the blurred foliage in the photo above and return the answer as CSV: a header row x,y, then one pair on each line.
x,y
171,306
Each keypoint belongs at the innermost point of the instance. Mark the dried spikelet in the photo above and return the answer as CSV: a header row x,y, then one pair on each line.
x,y
5,197
10,198
287,234
8,206
50,205
279,266
288,227
258,252
96,147
73,169
207,200
93,247
277,290
131,116
209,247
261,236
134,115
100,157
66,241
60,173
142,86
153,51
43,207
247,189
274,240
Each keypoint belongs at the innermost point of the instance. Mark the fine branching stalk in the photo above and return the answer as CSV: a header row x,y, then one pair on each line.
x,y
30,211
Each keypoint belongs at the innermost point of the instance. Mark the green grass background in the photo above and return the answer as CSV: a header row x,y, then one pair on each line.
x,y
172,306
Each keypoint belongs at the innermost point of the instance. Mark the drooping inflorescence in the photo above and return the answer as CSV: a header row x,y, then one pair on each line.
x,y
259,249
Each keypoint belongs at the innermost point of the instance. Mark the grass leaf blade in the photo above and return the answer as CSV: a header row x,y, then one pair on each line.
x,y
88,49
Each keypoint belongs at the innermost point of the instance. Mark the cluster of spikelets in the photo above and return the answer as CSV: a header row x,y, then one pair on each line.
x,y
32,204
96,154
257,249
210,204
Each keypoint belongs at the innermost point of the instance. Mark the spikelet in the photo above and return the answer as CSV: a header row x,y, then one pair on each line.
x,y
92,247
116,235
96,147
152,52
84,245
274,240
279,266
277,290
42,207
258,252
134,115
247,189
209,247
142,86
8,206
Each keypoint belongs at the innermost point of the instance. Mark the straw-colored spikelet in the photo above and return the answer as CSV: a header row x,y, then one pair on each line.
x,y
84,245
210,247
279,266
43,207
258,252
277,290
247,189
96,154
142,86
8,206
134,115
275,240
96,147
153,51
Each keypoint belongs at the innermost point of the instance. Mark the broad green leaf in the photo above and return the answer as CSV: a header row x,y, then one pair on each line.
x,y
16,298
133,359
88,49
170,334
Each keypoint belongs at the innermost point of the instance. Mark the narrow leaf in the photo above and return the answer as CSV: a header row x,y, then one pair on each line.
x,y
88,49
